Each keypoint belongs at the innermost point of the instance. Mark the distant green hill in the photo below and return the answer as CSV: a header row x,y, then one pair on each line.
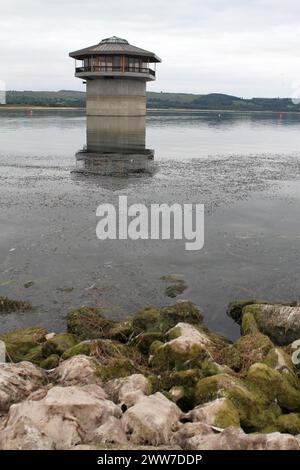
x,y
46,98
212,101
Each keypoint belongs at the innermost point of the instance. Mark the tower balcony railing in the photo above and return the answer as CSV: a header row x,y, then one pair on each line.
x,y
112,68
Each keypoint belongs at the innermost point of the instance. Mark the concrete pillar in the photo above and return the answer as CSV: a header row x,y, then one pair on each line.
x,y
116,97
115,133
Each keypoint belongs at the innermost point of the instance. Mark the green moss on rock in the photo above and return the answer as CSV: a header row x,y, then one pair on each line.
x,y
182,311
175,289
88,323
209,368
147,320
187,378
252,407
227,416
230,356
161,320
275,386
278,359
50,362
170,357
59,344
281,322
20,342
116,368
81,348
143,341
122,331
253,348
249,325
235,308
289,423
35,355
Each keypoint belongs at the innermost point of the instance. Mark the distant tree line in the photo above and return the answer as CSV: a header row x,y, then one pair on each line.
x,y
61,98
213,101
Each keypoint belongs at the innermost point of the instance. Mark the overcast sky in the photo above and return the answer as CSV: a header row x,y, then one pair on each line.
x,y
240,47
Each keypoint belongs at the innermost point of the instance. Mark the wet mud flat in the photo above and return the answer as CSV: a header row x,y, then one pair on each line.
x,y
50,255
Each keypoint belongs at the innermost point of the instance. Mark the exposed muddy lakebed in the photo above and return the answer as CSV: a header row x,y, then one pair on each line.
x,y
244,168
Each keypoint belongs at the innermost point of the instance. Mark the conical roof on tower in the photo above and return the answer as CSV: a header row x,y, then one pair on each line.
x,y
114,45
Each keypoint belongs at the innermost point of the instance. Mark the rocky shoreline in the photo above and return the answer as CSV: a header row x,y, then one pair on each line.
x,y
158,379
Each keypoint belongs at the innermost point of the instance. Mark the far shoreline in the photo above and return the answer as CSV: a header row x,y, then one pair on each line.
x,y
181,110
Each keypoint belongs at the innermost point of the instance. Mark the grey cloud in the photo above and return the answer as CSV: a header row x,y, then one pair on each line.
x,y
240,47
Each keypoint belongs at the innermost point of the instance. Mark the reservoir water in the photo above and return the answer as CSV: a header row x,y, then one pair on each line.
x,y
244,167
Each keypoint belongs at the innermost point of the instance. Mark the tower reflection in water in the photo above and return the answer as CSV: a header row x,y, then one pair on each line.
x,y
115,147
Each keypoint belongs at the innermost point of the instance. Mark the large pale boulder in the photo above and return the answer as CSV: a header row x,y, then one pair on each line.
x,y
151,420
77,370
66,416
17,381
111,432
24,435
220,413
235,439
188,430
125,390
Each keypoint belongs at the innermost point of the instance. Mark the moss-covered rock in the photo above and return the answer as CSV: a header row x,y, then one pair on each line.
x,y
143,341
227,415
289,423
248,325
50,362
274,385
88,323
253,408
235,308
161,320
115,359
230,356
35,355
117,368
9,306
147,320
278,359
176,394
20,342
175,289
185,381
187,345
104,349
253,348
34,334
187,378
220,413
280,322
122,331
59,344
209,368
81,348
182,311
